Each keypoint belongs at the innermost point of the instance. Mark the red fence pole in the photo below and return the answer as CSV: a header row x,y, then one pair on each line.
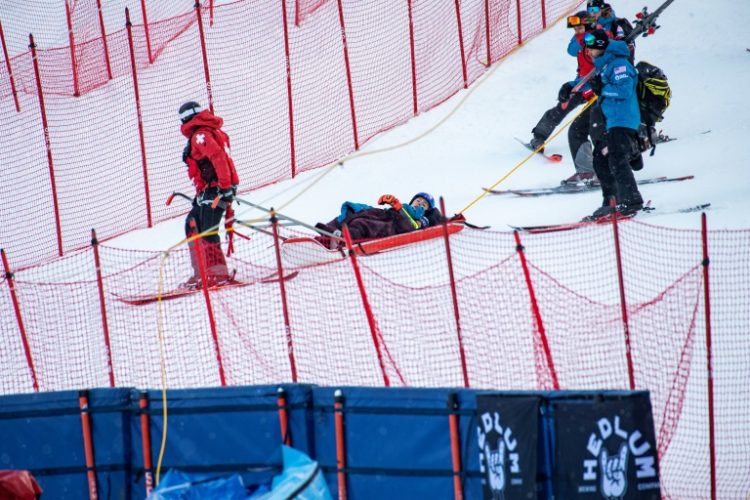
x,y
47,143
348,75
366,304
487,31
286,437
282,290
461,44
458,490
518,21
88,444
19,319
139,115
544,14
198,242
709,357
10,70
623,303
535,310
103,307
413,59
104,39
205,56
289,88
148,467
338,412
454,296
146,30
71,40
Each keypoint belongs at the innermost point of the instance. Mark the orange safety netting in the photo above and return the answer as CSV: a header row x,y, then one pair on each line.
x,y
415,332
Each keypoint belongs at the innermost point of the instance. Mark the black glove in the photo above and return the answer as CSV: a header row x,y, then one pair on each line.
x,y
564,94
227,195
596,85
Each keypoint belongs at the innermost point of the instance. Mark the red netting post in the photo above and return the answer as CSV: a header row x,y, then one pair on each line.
x,y
709,357
139,115
413,59
348,75
88,443
148,467
458,489
47,143
544,14
289,88
211,13
454,296
623,303
338,415
72,43
146,30
206,73
461,44
282,290
518,21
10,70
286,437
366,304
198,242
487,31
535,311
104,39
19,319
103,307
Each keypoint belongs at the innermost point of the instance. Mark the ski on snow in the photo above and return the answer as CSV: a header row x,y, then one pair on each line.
x,y
555,158
648,210
578,188
150,298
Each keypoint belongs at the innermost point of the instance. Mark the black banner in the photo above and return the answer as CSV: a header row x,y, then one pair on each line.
x,y
507,430
605,448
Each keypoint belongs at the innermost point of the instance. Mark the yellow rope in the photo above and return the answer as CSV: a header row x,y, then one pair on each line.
x,y
522,162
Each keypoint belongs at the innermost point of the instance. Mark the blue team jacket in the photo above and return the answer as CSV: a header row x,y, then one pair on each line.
x,y
619,100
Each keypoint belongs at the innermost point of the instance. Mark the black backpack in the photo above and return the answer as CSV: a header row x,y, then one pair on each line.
x,y
653,92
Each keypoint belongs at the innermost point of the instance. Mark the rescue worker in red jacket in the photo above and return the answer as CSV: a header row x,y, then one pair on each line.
x,y
212,171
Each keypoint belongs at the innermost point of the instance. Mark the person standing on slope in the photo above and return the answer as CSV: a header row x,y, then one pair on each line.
x,y
212,171
616,151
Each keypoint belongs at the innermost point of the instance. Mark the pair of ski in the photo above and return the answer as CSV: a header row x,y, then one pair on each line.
x,y
588,221
579,187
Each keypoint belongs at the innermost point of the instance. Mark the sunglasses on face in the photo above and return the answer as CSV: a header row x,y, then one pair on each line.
x,y
574,21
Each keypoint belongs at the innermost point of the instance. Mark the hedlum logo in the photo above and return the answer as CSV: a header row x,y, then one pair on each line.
x,y
612,453
499,460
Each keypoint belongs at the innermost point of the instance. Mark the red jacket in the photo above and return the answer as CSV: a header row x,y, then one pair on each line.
x,y
209,161
585,63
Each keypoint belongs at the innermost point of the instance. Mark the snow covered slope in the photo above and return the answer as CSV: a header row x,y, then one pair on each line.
x,y
474,147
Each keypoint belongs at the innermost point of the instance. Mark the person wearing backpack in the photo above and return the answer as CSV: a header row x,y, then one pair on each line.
x,y
212,171
654,95
616,150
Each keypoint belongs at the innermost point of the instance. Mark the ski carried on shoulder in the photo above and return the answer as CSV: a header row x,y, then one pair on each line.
x,y
555,158
588,220
150,298
579,187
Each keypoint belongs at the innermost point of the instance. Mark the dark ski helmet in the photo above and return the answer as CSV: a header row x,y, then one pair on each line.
x,y
426,197
596,39
595,3
189,110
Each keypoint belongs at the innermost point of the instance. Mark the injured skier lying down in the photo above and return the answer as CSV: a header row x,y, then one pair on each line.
x,y
366,222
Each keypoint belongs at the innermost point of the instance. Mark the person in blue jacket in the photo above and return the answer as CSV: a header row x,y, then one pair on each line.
x,y
616,151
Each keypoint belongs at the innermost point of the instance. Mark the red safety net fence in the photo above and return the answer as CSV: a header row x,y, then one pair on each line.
x,y
89,113
476,309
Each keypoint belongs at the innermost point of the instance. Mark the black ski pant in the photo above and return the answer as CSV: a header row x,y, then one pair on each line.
x,y
615,155
580,146
554,116
204,216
